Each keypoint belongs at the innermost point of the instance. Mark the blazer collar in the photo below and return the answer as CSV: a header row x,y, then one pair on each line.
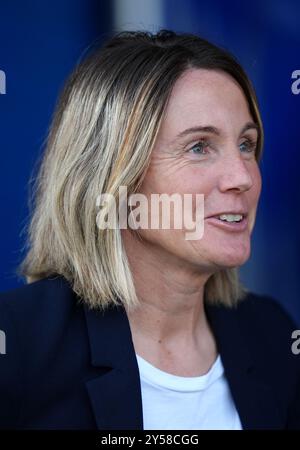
x,y
116,395
254,399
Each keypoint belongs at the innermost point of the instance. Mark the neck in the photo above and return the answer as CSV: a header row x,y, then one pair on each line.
x,y
171,314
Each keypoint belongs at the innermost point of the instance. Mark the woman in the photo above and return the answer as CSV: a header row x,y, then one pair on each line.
x,y
128,327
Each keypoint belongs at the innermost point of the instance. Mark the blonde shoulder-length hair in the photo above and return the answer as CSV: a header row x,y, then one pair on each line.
x,y
104,128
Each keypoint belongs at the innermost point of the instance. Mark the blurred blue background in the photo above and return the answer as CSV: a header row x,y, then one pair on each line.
x,y
40,41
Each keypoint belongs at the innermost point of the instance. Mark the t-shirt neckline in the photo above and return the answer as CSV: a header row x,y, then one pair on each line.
x,y
165,380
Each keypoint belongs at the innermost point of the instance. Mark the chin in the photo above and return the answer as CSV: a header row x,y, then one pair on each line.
x,y
230,260
212,259
229,256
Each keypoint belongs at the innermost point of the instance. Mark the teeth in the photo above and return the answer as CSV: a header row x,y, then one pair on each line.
x,y
231,217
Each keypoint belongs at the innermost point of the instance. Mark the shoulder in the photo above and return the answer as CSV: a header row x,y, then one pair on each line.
x,y
267,327
39,305
260,330
271,334
260,318
263,303
260,326
39,309
266,315
37,295
35,320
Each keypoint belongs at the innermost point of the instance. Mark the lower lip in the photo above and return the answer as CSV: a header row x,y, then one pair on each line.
x,y
228,226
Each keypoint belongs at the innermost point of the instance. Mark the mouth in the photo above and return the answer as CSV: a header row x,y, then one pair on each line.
x,y
229,221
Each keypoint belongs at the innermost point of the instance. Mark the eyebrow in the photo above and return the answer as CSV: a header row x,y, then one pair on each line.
x,y
213,130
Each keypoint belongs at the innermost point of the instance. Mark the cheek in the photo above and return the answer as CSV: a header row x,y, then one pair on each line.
x,y
253,196
183,180
257,184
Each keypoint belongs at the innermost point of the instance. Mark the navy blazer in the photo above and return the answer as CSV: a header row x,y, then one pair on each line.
x,y
69,367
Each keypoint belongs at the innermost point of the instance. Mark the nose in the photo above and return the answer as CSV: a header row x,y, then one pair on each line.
x,y
235,174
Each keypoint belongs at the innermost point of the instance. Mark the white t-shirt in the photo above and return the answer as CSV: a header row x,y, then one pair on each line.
x,y
171,402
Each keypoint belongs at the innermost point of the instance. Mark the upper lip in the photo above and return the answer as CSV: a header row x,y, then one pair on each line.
x,y
241,212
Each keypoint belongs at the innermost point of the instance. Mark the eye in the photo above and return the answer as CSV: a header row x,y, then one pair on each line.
x,y
199,148
248,146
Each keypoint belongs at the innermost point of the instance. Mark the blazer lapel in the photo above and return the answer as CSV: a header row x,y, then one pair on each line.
x,y
116,394
254,399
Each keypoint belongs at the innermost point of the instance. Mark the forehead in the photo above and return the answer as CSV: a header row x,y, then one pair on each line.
x,y
200,97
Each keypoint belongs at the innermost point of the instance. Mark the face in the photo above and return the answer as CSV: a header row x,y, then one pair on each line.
x,y
206,145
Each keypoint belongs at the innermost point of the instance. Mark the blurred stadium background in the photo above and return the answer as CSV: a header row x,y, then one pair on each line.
x,y
40,41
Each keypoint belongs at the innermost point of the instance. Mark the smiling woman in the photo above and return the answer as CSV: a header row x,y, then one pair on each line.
x,y
179,343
